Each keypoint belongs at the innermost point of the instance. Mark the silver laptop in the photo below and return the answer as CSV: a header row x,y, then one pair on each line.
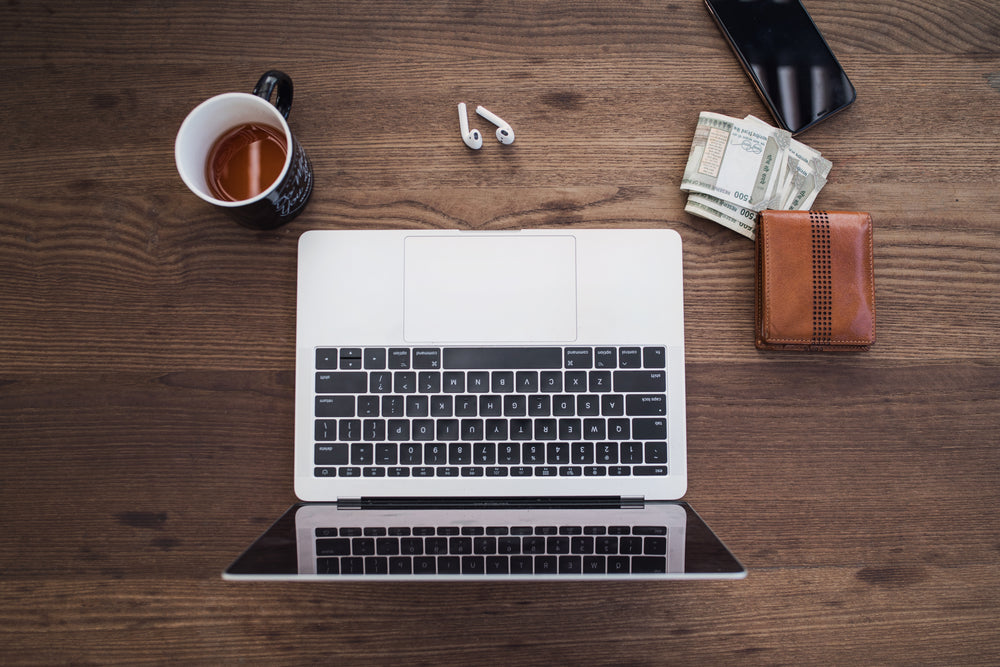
x,y
489,404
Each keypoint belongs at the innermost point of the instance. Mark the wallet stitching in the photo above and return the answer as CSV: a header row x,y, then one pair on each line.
x,y
765,296
870,275
862,343
822,278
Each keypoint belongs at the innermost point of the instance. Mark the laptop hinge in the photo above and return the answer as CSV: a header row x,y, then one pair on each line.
x,y
513,502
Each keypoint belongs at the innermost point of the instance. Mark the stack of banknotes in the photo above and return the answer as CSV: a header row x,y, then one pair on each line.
x,y
740,167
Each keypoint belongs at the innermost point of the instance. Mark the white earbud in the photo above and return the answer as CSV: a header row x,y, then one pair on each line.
x,y
505,133
472,138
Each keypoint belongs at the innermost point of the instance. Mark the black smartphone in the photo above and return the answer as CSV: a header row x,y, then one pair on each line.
x,y
786,57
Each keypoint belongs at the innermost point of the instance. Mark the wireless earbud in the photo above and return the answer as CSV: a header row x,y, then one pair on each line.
x,y
505,133
472,138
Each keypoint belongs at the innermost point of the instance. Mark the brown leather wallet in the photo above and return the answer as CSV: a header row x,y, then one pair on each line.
x,y
815,281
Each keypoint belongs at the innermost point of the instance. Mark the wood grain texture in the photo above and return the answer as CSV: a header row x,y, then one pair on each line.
x,y
147,343
829,616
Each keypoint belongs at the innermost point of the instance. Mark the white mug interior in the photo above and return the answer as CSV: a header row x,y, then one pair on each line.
x,y
207,122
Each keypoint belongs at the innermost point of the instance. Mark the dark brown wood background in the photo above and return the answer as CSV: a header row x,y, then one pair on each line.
x,y
147,343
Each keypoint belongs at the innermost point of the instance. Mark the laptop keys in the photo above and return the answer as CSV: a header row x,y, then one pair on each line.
x,y
491,412
492,550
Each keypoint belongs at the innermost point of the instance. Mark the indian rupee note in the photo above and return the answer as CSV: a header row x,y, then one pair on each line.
x,y
779,185
812,171
736,218
735,160
811,174
803,196
804,174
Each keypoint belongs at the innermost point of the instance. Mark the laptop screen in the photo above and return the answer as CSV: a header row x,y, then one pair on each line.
x,y
511,539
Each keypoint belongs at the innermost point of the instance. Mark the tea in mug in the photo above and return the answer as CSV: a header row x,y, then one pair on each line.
x,y
245,161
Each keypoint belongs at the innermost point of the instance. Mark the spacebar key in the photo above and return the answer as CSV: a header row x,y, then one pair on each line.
x,y
471,358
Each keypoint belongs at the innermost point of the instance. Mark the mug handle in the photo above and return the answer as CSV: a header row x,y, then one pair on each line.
x,y
265,86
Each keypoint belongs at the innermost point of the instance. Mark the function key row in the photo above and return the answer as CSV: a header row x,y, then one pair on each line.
x,y
485,358
488,453
659,470
406,531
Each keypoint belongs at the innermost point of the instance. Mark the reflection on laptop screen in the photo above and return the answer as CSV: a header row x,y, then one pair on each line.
x,y
502,540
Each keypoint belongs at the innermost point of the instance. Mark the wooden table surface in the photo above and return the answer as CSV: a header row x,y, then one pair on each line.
x,y
147,342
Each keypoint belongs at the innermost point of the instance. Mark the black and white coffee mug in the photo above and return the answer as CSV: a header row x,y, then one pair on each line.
x,y
269,203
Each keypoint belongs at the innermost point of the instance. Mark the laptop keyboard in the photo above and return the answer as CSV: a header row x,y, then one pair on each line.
x,y
534,550
491,411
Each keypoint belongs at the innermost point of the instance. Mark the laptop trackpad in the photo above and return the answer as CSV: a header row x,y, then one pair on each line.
x,y
490,289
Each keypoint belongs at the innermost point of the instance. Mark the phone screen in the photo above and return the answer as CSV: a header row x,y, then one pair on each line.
x,y
784,53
